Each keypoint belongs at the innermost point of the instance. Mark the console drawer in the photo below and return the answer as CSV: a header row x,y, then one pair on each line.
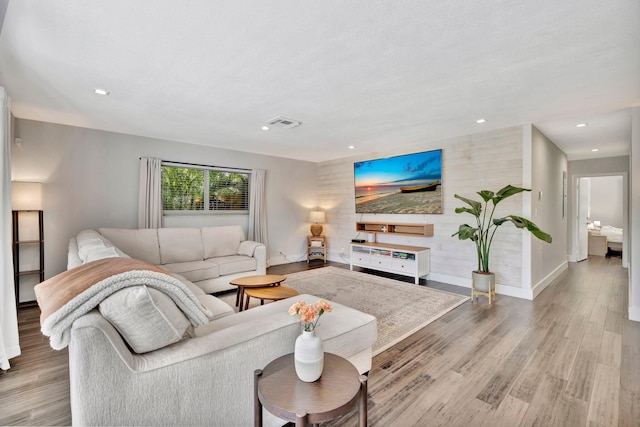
x,y
404,265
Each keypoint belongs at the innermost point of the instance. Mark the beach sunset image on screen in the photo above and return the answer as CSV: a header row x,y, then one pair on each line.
x,y
407,184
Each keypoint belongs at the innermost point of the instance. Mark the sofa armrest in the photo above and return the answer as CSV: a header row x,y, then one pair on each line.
x,y
257,251
248,247
198,381
73,259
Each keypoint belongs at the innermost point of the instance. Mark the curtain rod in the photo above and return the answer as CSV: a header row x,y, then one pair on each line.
x,y
204,166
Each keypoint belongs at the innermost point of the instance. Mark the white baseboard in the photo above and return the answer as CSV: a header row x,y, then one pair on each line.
x,y
542,285
466,282
634,313
451,280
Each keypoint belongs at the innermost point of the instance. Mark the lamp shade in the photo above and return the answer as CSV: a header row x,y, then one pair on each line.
x,y
26,196
316,217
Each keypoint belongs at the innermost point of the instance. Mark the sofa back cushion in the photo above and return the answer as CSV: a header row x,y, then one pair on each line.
x,y
180,244
221,240
139,244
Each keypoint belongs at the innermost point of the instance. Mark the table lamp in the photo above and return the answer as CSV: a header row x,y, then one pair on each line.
x,y
26,196
317,218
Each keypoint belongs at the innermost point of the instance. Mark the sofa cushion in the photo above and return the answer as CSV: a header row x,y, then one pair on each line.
x,y
221,240
234,264
139,244
216,306
195,270
146,318
197,290
179,244
89,241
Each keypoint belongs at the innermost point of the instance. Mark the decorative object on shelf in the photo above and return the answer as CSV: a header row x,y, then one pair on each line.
x,y
26,198
308,352
425,230
318,218
316,248
483,280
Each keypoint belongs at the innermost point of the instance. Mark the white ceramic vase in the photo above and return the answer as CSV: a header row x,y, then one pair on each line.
x,y
308,356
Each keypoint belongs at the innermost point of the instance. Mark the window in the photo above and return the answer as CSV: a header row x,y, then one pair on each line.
x,y
193,188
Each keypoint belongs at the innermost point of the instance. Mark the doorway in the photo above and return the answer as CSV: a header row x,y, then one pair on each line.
x,y
601,220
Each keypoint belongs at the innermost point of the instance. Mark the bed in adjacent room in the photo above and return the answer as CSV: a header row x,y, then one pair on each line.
x,y
614,237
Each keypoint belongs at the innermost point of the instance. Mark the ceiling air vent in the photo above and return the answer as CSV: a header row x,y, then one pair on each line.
x,y
283,122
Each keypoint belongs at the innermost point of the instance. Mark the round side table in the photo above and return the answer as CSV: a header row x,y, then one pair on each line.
x,y
254,282
340,387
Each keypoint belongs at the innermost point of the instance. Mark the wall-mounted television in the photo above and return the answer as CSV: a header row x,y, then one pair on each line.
x,y
407,184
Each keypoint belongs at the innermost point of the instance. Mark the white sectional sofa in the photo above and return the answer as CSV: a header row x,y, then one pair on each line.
x,y
210,257
203,375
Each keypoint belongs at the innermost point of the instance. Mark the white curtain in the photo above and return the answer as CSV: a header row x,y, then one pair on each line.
x,y
9,343
150,196
257,207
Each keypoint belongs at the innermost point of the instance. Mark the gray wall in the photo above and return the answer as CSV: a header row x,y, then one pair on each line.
x,y
606,200
548,163
634,222
91,180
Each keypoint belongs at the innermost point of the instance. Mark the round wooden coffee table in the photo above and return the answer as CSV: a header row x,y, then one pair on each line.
x,y
278,389
254,282
272,293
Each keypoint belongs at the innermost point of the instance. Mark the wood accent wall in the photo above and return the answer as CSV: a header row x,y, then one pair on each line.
x,y
488,160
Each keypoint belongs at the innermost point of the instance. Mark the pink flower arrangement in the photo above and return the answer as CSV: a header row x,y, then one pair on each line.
x,y
310,314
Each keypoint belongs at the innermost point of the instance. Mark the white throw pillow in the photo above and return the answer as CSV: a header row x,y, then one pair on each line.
x,y
89,241
146,318
109,252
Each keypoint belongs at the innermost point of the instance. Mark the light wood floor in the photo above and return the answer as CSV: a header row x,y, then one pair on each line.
x,y
569,358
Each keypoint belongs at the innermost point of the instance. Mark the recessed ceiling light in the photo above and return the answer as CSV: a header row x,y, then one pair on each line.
x,y
102,92
595,149
265,127
481,121
581,125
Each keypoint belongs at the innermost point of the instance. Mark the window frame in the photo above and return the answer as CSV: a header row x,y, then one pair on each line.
x,y
206,185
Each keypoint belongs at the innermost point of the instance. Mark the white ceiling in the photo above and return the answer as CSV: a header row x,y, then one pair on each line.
x,y
373,74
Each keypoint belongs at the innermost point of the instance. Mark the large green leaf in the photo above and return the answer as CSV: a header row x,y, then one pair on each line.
x,y
486,195
476,207
520,222
465,231
507,191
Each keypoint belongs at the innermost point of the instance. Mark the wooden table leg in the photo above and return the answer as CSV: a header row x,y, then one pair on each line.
x,y
238,296
362,404
301,420
246,305
257,405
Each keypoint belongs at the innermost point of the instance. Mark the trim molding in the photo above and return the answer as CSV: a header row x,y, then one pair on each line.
x,y
542,285
510,291
634,313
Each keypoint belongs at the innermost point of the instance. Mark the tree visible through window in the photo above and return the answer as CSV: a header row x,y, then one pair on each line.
x,y
200,188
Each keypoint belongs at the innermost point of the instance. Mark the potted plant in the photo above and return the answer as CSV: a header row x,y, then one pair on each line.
x,y
486,226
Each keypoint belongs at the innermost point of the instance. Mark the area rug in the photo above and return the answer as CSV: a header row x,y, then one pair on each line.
x,y
401,308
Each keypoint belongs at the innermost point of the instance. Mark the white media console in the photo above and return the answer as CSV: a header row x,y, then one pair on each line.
x,y
406,260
